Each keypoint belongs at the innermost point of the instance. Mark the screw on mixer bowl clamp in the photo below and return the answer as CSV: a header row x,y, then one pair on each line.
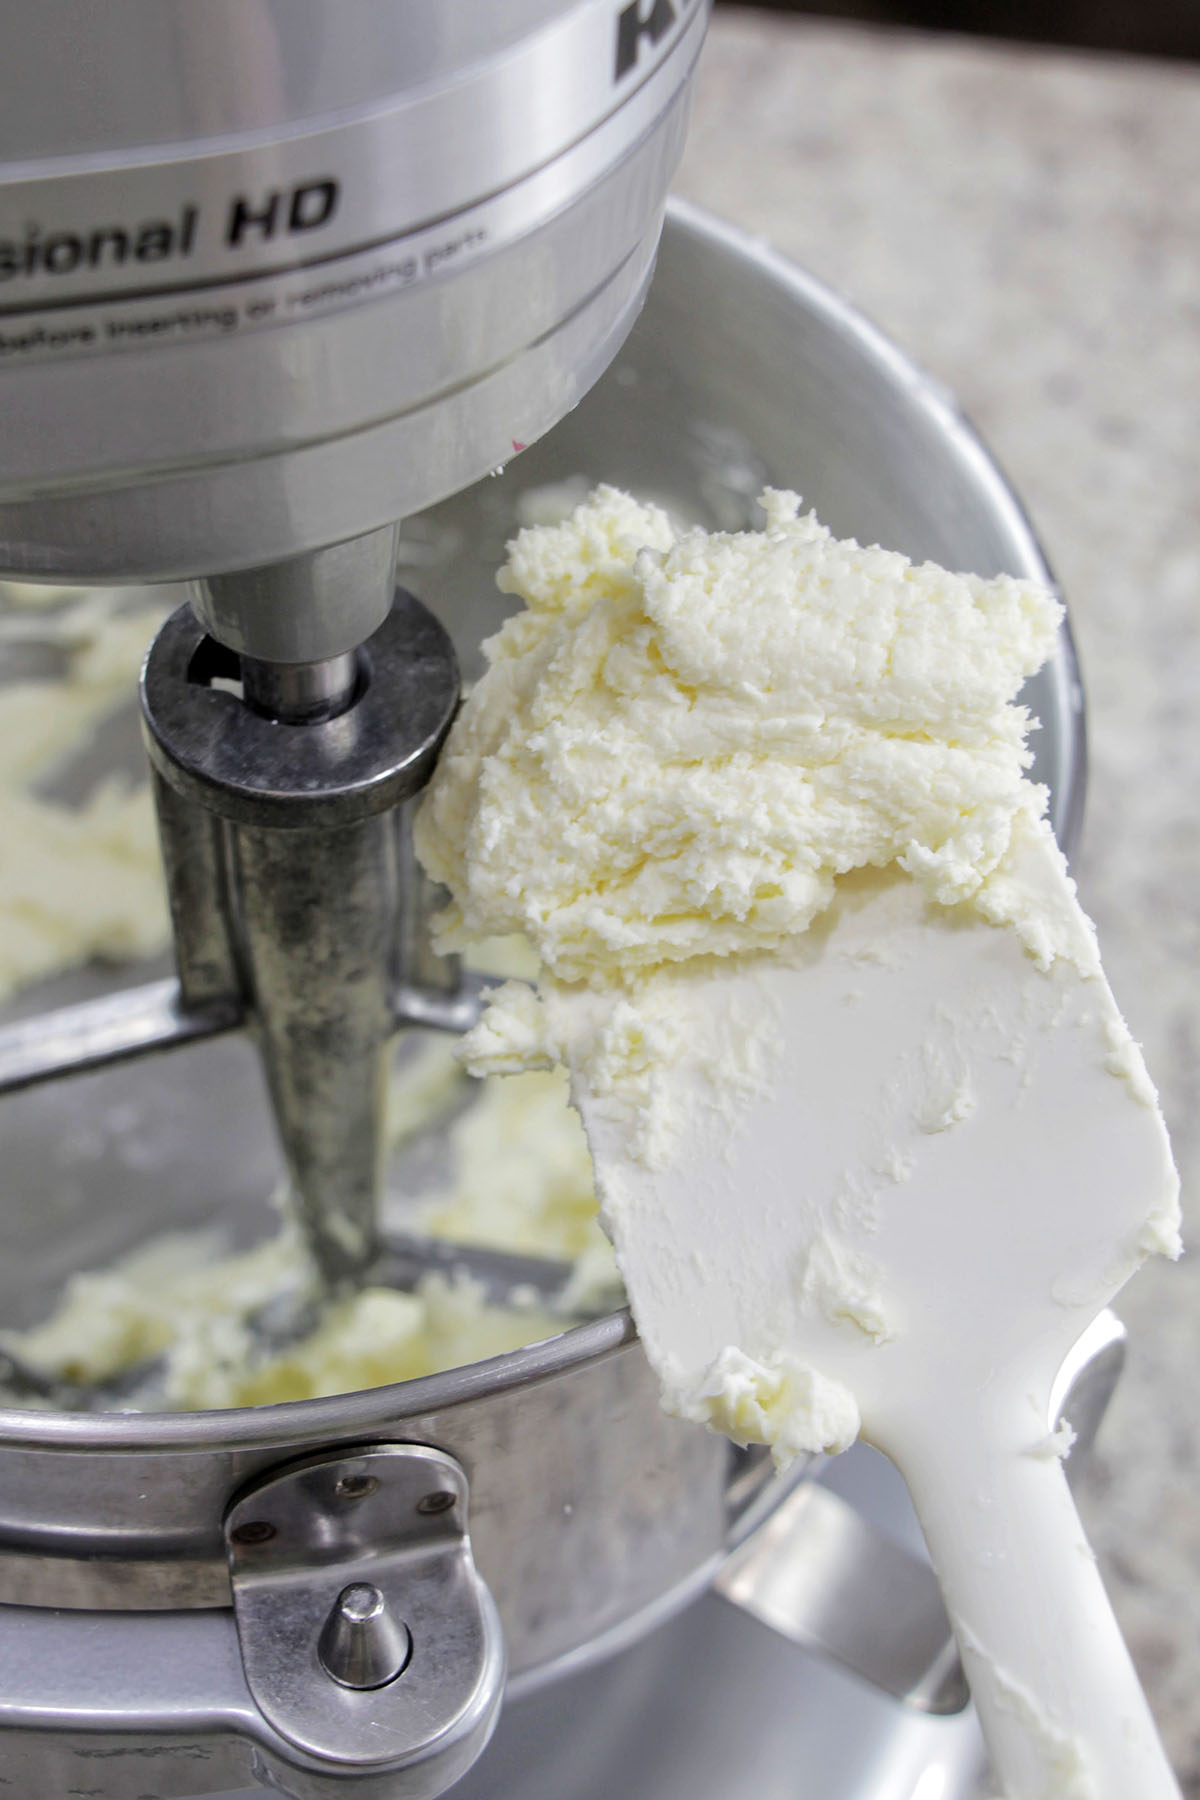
x,y
368,1638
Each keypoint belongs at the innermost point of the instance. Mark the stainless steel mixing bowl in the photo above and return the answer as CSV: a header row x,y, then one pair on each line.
x,y
591,1515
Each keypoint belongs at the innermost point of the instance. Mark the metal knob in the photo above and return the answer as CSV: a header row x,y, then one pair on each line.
x,y
361,1644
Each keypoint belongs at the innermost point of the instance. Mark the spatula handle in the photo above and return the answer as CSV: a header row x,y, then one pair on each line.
x,y
1059,1701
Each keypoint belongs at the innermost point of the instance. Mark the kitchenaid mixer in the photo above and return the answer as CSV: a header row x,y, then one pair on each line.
x,y
256,444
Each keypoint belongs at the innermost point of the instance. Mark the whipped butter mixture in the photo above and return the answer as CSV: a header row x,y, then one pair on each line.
x,y
177,1324
685,738
684,747
79,878
682,743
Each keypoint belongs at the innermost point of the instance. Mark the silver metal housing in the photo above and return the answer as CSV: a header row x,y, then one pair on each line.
x,y
276,273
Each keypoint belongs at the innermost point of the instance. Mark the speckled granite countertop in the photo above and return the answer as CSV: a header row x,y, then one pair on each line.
x,y
1026,223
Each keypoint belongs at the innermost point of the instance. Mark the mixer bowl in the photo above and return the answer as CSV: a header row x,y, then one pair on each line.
x,y
592,1515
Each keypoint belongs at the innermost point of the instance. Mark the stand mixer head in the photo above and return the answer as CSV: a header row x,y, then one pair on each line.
x,y
274,275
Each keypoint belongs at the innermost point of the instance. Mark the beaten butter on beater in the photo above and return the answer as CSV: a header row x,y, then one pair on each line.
x,y
681,746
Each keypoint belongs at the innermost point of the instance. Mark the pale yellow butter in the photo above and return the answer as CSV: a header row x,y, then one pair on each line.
x,y
685,738
681,745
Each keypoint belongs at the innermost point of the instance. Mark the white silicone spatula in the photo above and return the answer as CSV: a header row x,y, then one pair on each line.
x,y
957,1164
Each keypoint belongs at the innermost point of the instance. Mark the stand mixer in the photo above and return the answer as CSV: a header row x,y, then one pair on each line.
x,y
275,275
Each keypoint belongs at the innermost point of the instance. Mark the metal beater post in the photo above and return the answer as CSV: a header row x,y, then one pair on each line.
x,y
281,752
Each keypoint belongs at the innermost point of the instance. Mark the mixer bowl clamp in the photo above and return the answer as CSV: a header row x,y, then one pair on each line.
x,y
368,1638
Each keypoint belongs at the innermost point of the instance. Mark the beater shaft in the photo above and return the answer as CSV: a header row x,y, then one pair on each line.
x,y
283,843
317,912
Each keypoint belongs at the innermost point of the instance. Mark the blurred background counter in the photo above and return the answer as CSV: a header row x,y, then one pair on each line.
x,y
1025,222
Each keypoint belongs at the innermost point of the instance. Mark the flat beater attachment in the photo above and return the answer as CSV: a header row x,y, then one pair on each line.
x,y
280,793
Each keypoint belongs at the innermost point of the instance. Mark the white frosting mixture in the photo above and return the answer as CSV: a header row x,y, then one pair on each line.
x,y
519,1178
684,739
682,743
186,1315
682,746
